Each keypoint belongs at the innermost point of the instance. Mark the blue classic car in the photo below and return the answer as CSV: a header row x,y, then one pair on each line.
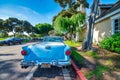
x,y
50,52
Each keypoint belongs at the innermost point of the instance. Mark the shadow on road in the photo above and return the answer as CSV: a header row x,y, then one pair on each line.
x,y
10,70
48,72
10,54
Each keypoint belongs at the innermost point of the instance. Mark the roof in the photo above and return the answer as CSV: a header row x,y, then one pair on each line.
x,y
113,8
106,5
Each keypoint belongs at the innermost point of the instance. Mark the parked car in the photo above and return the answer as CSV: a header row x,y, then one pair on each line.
x,y
1,42
11,41
50,52
18,40
26,39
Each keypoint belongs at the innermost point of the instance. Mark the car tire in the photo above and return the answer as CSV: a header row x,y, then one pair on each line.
x,y
20,42
24,67
10,43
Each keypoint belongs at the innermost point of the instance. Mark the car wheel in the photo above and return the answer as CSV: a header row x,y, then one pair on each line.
x,y
67,66
10,44
20,42
24,67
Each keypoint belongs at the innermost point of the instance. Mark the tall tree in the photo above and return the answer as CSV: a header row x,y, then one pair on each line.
x,y
62,24
72,4
63,13
1,24
43,28
89,37
26,26
11,23
15,25
71,9
77,20
64,3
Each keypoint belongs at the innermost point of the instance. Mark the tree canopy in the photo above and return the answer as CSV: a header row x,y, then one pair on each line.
x,y
72,4
15,25
43,28
69,16
1,24
78,19
62,24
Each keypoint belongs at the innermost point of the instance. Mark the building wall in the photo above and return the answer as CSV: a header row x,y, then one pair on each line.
x,y
102,29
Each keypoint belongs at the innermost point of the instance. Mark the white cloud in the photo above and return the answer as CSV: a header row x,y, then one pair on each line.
x,y
25,13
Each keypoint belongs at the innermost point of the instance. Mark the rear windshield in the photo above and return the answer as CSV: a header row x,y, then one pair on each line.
x,y
52,39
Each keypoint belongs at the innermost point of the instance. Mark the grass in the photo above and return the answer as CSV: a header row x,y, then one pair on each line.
x,y
75,54
111,61
97,71
2,38
72,43
77,57
92,54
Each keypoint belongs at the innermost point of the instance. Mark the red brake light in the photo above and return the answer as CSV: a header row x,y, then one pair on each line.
x,y
23,52
68,52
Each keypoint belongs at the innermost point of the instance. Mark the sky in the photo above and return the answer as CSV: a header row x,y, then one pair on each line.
x,y
34,11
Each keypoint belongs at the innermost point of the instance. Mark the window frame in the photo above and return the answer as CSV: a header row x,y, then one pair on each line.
x,y
113,22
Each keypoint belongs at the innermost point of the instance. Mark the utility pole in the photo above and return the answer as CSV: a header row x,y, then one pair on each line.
x,y
87,45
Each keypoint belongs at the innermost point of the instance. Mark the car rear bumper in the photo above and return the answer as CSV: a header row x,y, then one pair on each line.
x,y
52,63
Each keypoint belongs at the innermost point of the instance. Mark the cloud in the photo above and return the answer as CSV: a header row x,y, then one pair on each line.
x,y
25,13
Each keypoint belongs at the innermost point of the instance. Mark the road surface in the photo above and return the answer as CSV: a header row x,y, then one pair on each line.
x,y
10,68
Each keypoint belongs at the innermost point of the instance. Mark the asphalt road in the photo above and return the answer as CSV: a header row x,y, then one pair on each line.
x,y
10,58
10,68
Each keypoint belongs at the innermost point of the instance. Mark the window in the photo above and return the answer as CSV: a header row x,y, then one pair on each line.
x,y
117,25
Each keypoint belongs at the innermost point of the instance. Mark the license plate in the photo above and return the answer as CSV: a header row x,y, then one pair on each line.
x,y
45,65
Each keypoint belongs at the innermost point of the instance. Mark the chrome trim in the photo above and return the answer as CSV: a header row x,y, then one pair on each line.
x,y
53,63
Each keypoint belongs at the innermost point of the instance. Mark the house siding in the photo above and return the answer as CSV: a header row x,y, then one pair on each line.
x,y
102,29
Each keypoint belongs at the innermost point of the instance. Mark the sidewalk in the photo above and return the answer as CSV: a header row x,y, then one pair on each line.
x,y
102,63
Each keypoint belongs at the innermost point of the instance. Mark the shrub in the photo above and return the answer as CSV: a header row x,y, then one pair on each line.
x,y
4,34
112,43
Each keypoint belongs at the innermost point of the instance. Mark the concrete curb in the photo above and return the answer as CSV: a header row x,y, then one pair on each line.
x,y
79,73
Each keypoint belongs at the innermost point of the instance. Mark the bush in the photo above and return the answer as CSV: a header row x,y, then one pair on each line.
x,y
26,39
4,34
112,43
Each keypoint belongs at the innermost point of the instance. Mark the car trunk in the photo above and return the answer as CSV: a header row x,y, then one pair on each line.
x,y
46,52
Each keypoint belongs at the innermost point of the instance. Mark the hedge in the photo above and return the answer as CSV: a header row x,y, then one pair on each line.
x,y
112,43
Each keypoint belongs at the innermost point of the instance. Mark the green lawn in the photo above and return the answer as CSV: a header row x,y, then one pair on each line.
x,y
2,38
72,43
75,54
77,57
109,62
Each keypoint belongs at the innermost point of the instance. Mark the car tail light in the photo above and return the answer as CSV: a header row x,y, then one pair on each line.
x,y
68,52
23,52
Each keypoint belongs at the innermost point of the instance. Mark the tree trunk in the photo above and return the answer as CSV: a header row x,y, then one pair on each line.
x,y
71,32
89,37
77,38
13,34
